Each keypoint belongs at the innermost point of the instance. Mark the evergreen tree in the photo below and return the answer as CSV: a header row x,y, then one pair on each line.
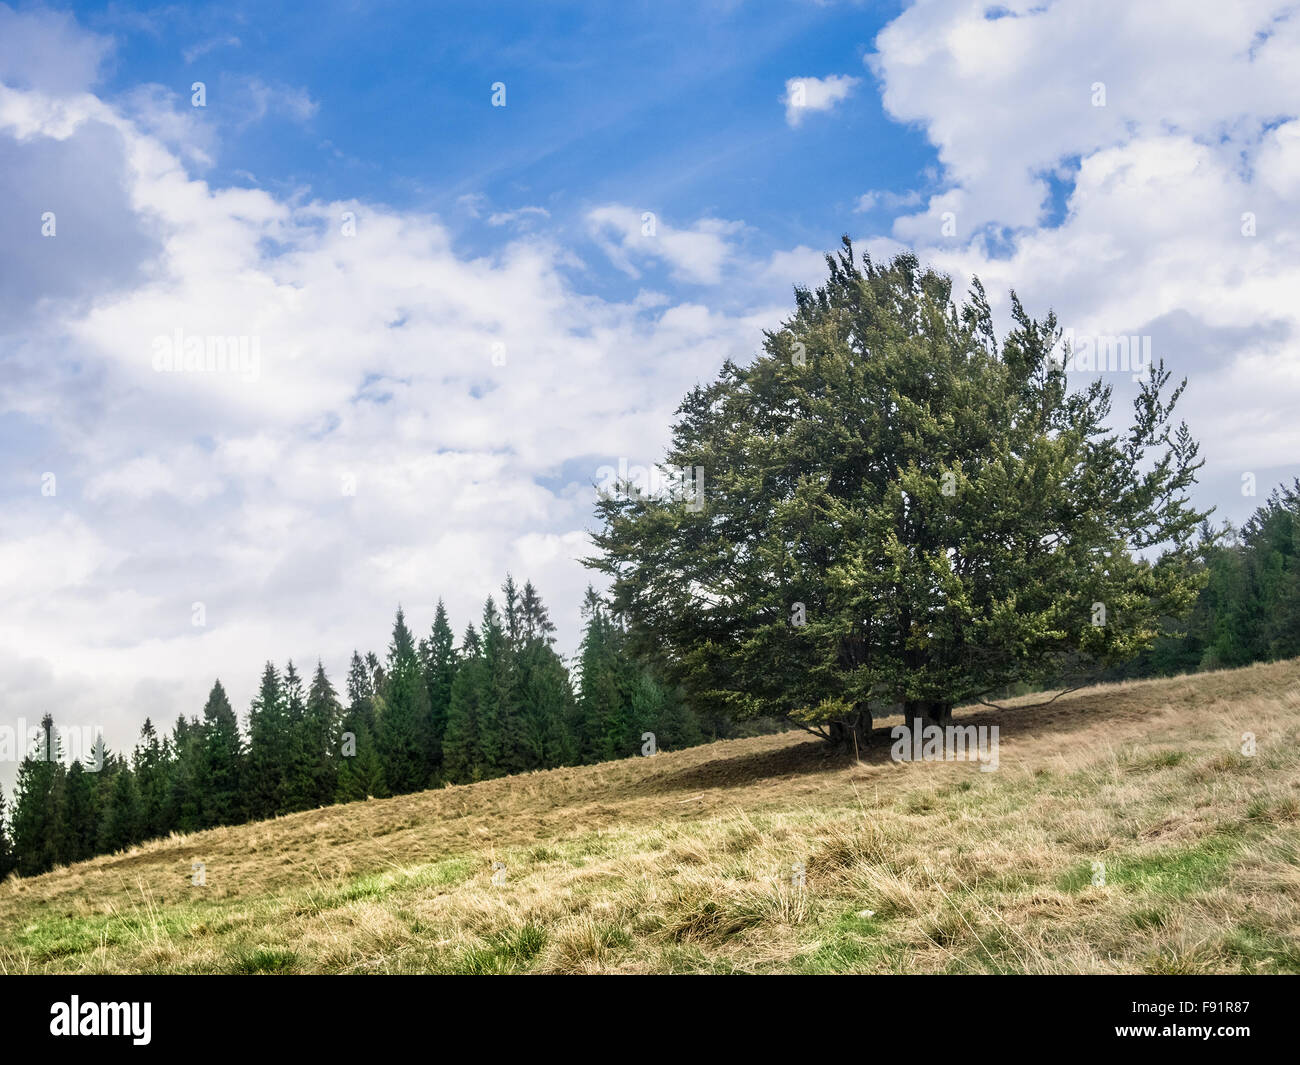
x,y
361,691
405,733
222,763
268,736
460,752
153,781
360,770
121,824
298,747
322,734
542,688
512,621
81,813
187,776
35,816
903,513
496,718
8,863
1271,549
377,675
546,700
661,709
603,728
438,653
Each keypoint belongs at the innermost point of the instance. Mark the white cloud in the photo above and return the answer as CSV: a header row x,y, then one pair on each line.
x,y
1145,235
889,201
210,44
47,50
259,99
522,216
470,401
698,254
815,94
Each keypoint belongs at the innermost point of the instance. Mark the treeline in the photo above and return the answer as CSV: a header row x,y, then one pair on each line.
x,y
1249,609
429,713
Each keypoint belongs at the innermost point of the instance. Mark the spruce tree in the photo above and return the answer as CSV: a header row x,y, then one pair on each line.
x,y
7,861
405,733
152,775
187,775
361,691
322,733
438,653
496,718
81,813
460,756
360,770
542,689
121,823
35,816
297,746
222,761
267,747
603,728
546,700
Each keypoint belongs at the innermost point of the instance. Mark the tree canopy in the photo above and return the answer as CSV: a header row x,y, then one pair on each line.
x,y
900,511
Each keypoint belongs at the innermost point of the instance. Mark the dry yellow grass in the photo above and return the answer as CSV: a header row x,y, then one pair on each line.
x,y
685,862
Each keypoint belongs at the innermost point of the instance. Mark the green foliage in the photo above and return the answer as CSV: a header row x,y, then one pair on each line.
x,y
902,513
404,733
79,815
360,771
1249,608
153,780
268,743
320,739
7,860
220,755
122,818
469,692
36,803
431,713
438,658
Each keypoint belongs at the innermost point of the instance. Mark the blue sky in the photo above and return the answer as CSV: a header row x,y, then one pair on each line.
x,y
429,391
675,108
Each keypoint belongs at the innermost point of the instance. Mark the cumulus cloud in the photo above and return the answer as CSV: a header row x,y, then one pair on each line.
x,y
815,94
47,50
1135,167
419,421
422,420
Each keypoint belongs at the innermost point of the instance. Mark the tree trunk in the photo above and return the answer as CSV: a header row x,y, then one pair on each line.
x,y
852,733
930,711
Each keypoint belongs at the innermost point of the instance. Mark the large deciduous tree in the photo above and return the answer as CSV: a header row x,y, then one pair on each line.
x,y
902,513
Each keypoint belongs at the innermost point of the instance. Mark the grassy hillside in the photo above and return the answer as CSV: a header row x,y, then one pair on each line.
x,y
682,862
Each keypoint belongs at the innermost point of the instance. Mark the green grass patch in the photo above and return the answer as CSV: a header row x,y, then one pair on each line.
x,y
1173,874
509,951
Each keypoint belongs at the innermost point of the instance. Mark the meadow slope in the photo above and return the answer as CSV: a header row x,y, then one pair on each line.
x,y
683,862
